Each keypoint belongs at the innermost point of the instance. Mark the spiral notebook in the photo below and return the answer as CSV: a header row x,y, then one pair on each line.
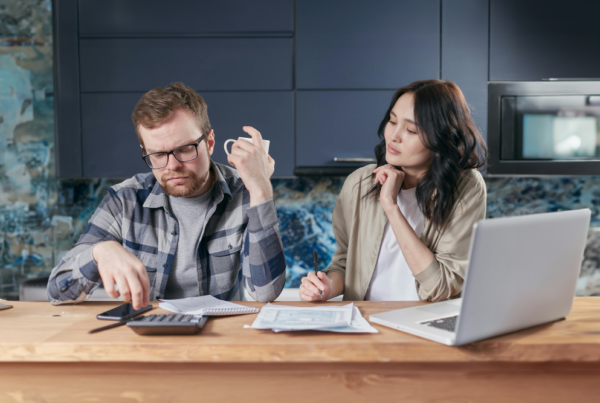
x,y
205,305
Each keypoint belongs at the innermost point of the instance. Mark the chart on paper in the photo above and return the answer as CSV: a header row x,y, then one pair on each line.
x,y
302,317
296,318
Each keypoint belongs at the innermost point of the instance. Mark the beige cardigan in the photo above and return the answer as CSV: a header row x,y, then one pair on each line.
x,y
358,225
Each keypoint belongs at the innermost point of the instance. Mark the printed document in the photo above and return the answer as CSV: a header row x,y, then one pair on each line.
x,y
283,317
358,325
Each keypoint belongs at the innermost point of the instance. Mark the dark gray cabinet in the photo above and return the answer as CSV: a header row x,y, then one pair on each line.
x,y
270,112
531,40
315,77
110,145
465,53
338,125
354,44
237,54
140,64
351,56
185,17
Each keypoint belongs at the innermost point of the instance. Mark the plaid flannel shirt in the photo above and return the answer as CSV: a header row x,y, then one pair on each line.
x,y
136,213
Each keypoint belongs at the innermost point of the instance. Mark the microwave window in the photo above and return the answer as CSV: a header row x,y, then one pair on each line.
x,y
548,136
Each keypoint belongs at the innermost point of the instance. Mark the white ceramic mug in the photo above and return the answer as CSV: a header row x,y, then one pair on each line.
x,y
266,144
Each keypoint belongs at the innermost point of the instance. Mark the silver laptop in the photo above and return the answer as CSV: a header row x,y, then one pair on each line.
x,y
522,272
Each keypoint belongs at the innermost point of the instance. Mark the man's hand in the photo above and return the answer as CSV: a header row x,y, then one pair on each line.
x,y
116,265
254,166
391,182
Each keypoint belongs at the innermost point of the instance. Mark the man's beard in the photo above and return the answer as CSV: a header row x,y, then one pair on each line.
x,y
185,190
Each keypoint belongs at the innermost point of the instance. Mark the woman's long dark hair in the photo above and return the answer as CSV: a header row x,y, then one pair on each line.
x,y
447,129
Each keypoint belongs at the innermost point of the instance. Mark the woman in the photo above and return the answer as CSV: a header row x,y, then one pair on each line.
x,y
403,227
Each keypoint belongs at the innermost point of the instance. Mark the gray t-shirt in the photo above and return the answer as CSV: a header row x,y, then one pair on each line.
x,y
190,213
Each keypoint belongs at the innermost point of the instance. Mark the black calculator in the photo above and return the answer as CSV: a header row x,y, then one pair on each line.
x,y
169,324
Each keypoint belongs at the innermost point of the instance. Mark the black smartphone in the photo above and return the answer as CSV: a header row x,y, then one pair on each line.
x,y
122,312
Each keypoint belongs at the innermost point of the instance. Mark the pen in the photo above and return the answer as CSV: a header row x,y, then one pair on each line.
x,y
121,323
316,260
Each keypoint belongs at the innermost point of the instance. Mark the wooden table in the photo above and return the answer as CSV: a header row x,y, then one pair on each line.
x,y
46,355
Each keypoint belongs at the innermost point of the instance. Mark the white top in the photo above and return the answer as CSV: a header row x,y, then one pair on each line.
x,y
392,279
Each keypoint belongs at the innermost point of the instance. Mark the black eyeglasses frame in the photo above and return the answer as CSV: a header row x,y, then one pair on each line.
x,y
196,144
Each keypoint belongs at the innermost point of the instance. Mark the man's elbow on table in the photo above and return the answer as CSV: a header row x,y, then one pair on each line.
x,y
268,292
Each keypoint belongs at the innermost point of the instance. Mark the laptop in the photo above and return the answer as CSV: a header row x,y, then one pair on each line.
x,y
522,272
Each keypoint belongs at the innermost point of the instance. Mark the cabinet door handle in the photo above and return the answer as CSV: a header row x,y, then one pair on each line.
x,y
593,100
354,159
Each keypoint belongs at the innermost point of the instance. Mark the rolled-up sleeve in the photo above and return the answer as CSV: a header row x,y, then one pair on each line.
x,y
340,231
76,276
263,257
444,277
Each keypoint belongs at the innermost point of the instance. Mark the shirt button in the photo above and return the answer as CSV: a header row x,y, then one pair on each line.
x,y
165,265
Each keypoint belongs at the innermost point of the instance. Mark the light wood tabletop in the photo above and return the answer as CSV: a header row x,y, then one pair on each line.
x,y
51,344
35,331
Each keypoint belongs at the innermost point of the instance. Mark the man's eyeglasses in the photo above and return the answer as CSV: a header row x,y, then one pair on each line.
x,y
184,153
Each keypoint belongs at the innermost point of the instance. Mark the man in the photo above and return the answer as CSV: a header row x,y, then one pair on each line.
x,y
187,228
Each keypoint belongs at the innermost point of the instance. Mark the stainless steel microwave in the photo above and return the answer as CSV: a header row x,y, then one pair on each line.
x,y
544,128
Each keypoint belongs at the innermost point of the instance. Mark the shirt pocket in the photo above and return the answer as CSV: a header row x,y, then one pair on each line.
x,y
226,245
224,257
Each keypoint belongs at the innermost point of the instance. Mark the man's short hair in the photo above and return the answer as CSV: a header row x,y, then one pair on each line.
x,y
158,105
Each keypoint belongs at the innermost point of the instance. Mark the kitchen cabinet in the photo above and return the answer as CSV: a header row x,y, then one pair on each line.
x,y
177,18
335,128
237,54
353,44
111,149
114,65
532,40
465,53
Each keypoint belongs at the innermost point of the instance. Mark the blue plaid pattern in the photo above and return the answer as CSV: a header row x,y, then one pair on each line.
x,y
137,214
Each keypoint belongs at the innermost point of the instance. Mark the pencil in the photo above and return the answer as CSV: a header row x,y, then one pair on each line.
x,y
316,260
117,324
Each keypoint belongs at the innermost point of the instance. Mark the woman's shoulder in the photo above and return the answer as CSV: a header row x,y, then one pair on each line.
x,y
471,178
364,174
471,188
359,181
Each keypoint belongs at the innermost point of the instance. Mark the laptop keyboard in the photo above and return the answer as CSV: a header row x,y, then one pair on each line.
x,y
448,323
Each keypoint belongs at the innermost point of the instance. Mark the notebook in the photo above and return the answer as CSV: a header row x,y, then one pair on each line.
x,y
205,305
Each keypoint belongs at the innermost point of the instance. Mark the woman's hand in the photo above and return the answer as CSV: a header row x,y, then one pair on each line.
x,y
391,180
311,284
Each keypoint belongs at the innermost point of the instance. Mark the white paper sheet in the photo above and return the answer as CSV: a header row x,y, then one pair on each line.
x,y
358,325
283,317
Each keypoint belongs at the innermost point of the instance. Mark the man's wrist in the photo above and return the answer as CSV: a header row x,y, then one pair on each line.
x,y
98,249
96,252
258,196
